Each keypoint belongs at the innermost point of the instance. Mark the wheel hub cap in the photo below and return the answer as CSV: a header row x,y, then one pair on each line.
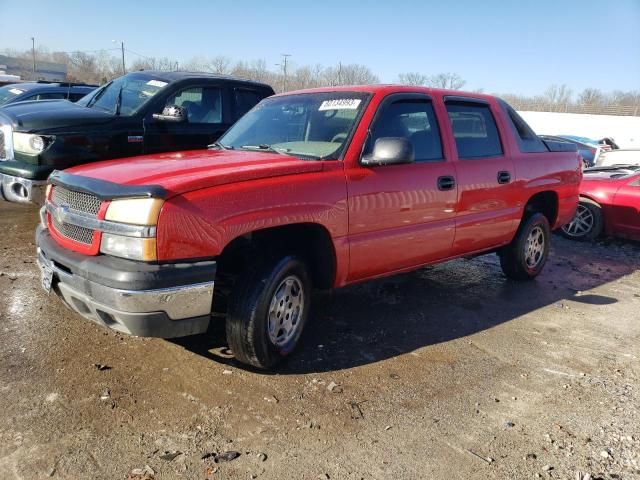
x,y
581,224
534,247
285,311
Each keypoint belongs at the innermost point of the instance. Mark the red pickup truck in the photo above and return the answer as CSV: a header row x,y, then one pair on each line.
x,y
317,188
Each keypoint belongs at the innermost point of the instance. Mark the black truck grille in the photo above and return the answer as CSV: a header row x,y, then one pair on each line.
x,y
78,201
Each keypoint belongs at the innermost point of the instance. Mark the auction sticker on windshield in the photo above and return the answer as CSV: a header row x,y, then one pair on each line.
x,y
156,83
340,104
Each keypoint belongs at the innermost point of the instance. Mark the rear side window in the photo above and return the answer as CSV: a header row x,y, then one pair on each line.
x,y
244,101
413,119
474,130
528,141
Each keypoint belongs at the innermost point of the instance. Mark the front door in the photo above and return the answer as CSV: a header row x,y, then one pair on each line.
x,y
402,216
206,121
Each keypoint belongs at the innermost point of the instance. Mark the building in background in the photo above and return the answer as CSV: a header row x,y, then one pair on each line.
x,y
23,68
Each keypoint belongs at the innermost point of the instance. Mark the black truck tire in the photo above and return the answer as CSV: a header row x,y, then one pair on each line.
x,y
525,257
267,311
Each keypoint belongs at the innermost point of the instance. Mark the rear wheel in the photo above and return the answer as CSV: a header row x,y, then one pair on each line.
x,y
587,223
525,257
267,311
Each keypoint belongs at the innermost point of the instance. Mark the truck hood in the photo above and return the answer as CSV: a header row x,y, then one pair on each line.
x,y
181,172
49,115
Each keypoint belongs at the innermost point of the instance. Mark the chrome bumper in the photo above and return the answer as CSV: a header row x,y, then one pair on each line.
x,y
22,190
165,312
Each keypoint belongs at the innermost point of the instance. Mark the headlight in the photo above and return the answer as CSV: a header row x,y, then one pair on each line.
x,y
135,211
129,247
30,144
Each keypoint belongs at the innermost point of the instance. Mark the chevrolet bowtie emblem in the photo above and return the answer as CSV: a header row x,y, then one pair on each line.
x,y
61,212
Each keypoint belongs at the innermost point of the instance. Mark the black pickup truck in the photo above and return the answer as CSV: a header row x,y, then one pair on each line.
x,y
138,113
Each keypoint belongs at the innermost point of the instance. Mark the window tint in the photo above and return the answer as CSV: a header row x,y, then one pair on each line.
x,y
203,105
50,96
474,130
528,141
244,101
411,119
74,97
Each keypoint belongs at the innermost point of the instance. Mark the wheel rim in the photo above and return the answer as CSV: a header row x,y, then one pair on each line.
x,y
285,311
581,224
534,247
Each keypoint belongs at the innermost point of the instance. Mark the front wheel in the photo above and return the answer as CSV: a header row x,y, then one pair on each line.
x,y
525,257
268,309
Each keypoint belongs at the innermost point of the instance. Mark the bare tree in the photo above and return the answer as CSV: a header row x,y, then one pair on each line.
x,y
451,81
591,96
413,78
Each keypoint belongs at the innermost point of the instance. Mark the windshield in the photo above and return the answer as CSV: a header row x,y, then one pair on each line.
x,y
310,125
124,95
8,93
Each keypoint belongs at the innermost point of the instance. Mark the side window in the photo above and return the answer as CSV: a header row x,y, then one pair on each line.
x,y
50,96
474,130
528,141
203,104
244,101
411,119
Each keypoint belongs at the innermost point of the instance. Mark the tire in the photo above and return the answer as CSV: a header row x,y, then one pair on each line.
x,y
267,311
588,223
525,257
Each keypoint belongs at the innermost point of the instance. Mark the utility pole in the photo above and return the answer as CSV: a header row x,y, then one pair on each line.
x,y
285,57
121,42
33,54
339,73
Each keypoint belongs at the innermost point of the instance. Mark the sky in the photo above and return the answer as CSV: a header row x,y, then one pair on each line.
x,y
500,46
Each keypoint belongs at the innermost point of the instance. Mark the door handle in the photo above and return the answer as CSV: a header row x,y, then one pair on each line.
x,y
446,182
504,177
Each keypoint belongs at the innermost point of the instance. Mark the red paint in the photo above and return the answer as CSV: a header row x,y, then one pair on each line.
x,y
619,199
381,219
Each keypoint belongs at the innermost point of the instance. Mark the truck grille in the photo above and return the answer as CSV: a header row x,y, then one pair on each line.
x,y
78,201
73,232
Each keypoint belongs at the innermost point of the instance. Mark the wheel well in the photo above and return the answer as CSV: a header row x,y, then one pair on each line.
x,y
310,241
545,203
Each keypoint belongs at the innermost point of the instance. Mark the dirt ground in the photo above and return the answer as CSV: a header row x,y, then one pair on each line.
x,y
450,372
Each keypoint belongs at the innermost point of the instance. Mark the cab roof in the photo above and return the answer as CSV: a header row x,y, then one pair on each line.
x,y
392,88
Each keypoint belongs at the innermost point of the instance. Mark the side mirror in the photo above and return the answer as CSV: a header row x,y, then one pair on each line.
x,y
172,113
389,151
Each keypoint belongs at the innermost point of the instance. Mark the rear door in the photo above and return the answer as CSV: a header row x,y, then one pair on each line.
x,y
487,195
626,210
401,216
208,117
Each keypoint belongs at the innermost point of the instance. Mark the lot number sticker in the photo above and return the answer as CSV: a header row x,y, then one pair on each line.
x,y
340,104
156,83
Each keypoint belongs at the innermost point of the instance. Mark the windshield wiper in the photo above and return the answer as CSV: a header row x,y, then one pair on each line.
x,y
98,94
119,101
220,146
263,147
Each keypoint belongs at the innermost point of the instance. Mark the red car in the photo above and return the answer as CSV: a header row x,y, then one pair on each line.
x,y
609,204
317,188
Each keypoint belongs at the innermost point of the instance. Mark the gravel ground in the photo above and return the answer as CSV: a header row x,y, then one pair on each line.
x,y
448,372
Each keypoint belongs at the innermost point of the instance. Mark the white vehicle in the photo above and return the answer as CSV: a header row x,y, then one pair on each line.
x,y
618,157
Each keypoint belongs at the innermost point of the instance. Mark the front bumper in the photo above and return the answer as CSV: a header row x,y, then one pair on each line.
x,y
22,190
139,299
